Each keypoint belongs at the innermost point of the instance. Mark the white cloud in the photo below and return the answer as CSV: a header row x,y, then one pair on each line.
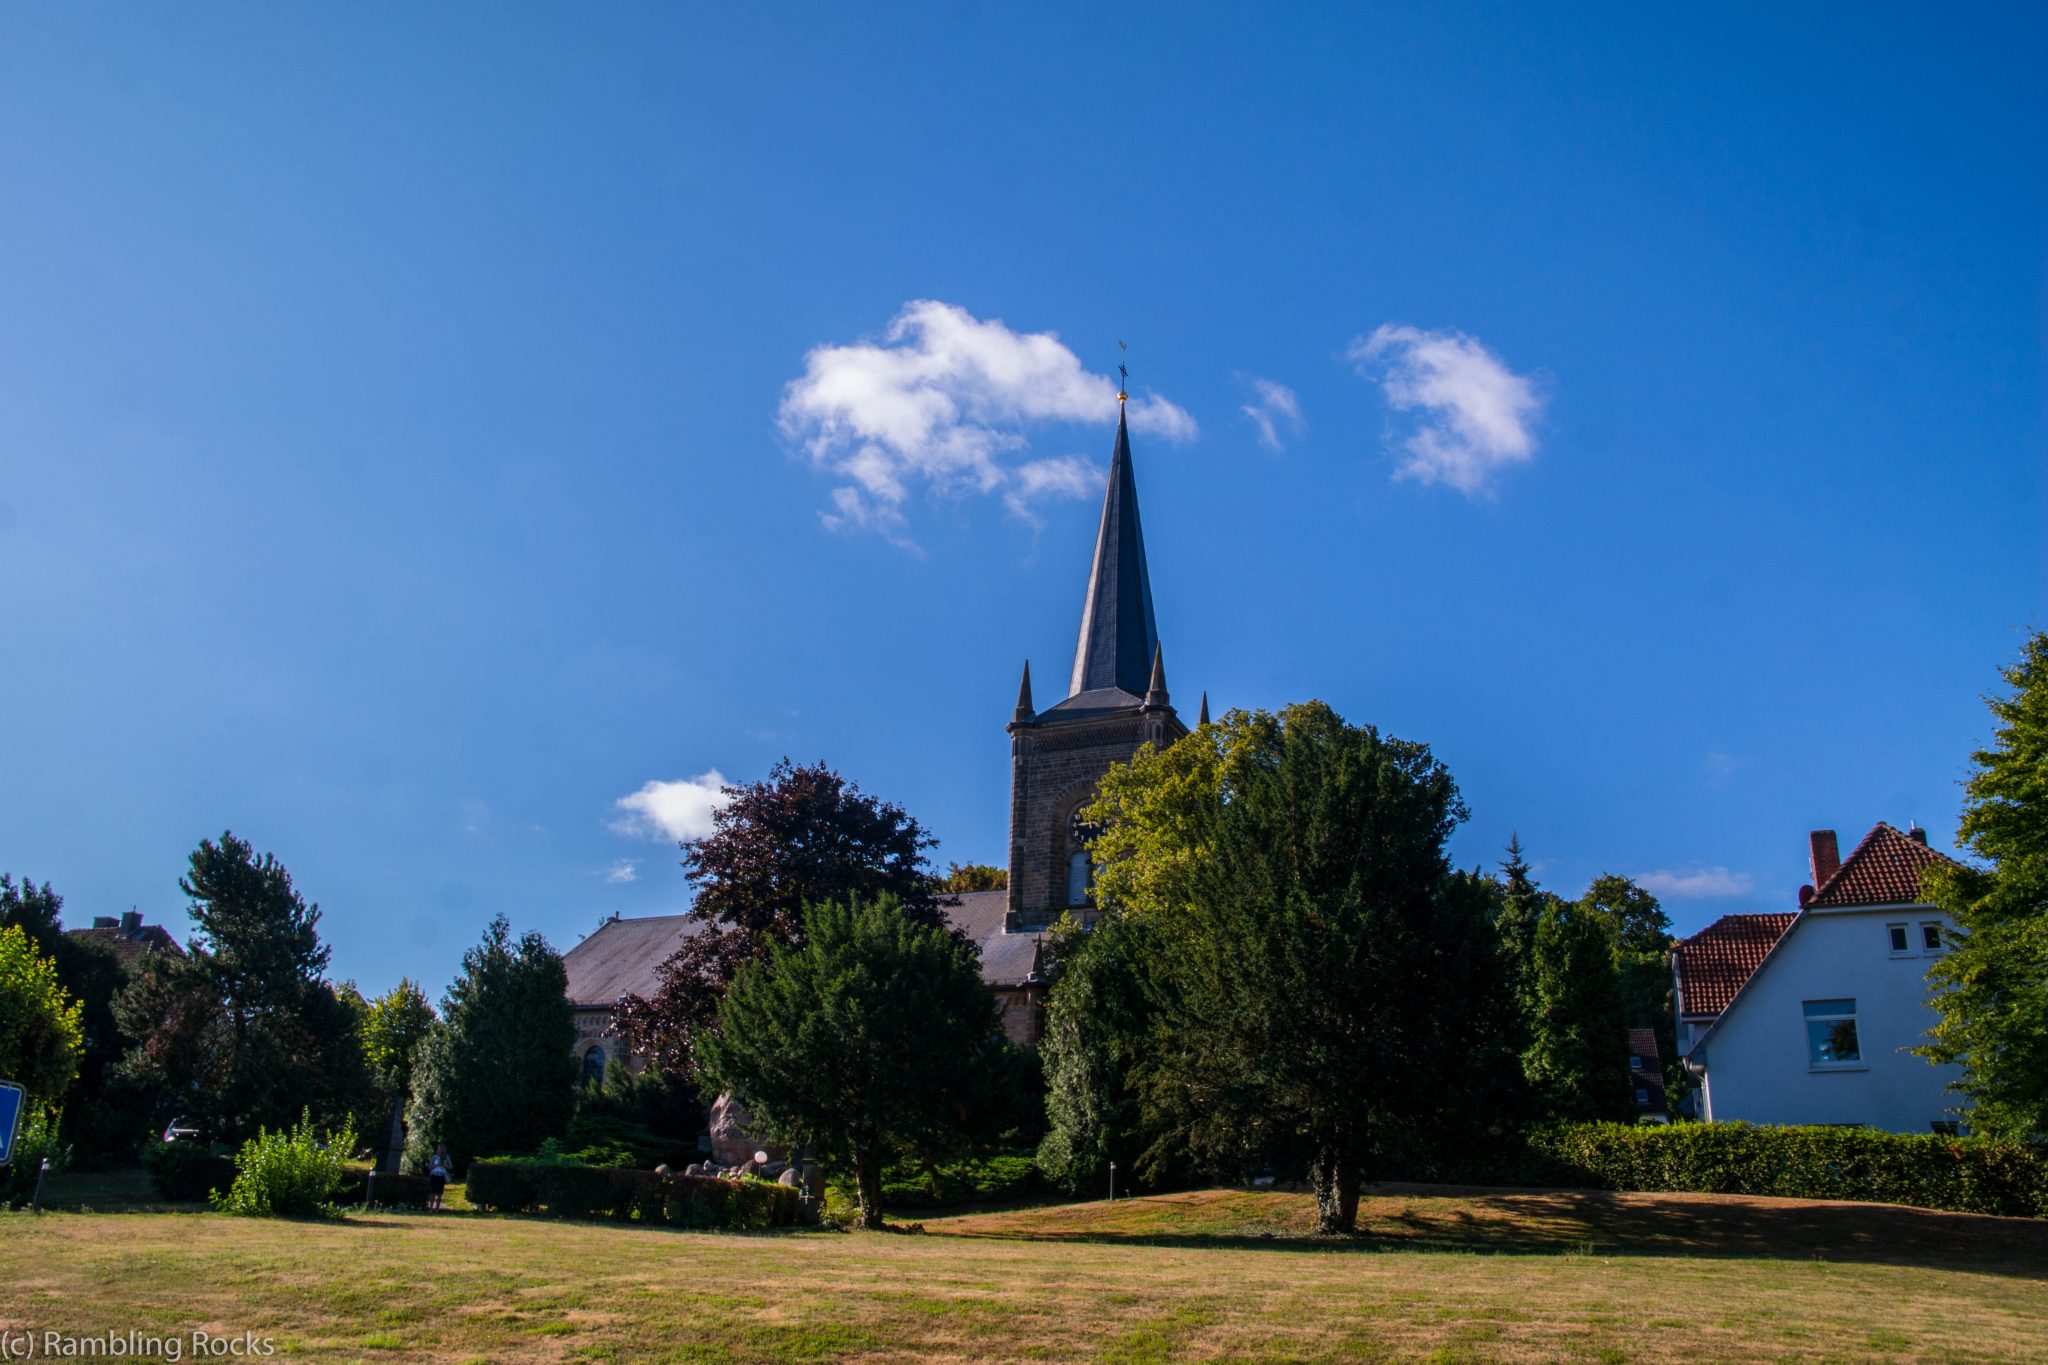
x,y
678,810
1273,410
944,400
1474,416
1701,883
623,871
1066,476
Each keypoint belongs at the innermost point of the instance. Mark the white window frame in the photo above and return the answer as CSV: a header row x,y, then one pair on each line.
x,y
1935,949
1902,930
1808,1019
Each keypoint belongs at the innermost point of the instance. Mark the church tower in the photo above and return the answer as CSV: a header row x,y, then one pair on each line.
x,y
1116,703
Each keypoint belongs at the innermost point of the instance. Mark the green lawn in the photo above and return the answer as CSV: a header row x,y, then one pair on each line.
x,y
1216,1275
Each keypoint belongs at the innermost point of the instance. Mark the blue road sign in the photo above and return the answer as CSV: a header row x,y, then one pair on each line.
x,y
13,1099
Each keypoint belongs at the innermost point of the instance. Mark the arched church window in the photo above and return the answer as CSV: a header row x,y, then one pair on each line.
x,y
593,1065
1080,865
1080,872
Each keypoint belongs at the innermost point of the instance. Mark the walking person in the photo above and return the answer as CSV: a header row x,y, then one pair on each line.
x,y
440,1169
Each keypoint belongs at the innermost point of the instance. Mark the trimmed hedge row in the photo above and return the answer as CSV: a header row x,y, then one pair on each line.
x,y
392,1191
1963,1175
186,1173
563,1191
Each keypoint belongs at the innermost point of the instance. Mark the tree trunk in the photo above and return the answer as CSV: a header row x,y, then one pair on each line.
x,y
867,1180
1336,1186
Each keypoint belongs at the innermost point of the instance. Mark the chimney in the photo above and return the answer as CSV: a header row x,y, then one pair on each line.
x,y
1827,856
131,923
1917,835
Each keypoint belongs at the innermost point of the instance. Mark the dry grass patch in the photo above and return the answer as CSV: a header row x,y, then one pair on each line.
x,y
1488,1276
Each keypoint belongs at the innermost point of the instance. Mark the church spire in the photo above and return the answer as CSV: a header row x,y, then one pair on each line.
x,y
1024,711
1155,690
1205,710
1118,637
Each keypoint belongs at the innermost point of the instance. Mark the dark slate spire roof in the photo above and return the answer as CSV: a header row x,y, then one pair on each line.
x,y
1023,711
1118,637
1155,690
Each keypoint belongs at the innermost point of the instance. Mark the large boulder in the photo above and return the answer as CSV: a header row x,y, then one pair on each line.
x,y
731,1144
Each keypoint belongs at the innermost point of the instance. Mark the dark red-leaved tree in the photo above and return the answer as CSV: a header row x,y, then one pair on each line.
x,y
802,836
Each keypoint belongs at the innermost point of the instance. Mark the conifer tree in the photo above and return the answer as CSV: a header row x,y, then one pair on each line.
x,y
495,1076
863,1039
243,1031
1577,1058
1991,988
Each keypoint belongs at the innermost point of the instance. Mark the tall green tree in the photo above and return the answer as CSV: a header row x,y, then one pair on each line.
x,y
1577,1058
100,1118
1641,931
391,1029
40,1035
803,836
1098,1021
864,1039
244,1031
495,1077
1295,868
1991,988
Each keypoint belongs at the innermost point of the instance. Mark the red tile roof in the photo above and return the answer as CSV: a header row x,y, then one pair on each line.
x,y
1884,870
1713,964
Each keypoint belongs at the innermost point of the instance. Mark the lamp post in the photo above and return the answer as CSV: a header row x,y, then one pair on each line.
x,y
36,1201
1112,1182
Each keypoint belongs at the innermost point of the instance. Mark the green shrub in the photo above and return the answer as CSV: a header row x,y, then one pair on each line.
x,y
983,1180
187,1172
35,1143
1965,1175
561,1189
502,1186
292,1173
391,1191
608,1140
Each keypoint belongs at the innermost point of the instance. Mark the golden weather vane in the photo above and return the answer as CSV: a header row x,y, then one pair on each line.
x,y
1123,375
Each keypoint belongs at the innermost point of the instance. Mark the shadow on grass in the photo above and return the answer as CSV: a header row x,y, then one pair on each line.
x,y
1558,1222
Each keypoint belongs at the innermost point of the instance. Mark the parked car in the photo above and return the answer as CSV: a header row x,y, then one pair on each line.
x,y
183,1130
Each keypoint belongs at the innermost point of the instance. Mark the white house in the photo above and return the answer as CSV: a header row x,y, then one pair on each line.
x,y
1819,1029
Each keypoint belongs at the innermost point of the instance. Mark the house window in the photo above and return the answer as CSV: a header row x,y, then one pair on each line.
x,y
1831,1034
1930,937
593,1065
1642,1096
1635,1064
1901,945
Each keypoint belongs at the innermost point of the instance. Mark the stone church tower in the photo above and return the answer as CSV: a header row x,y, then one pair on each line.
x,y
1116,702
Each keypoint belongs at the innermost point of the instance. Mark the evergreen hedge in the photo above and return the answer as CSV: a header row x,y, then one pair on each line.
x,y
1963,1175
187,1173
568,1191
392,1191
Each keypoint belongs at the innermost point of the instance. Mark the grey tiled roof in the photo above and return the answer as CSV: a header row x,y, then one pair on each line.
x,y
621,957
1006,959
1098,701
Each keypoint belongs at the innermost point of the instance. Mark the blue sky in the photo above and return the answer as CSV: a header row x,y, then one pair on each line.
x,y
421,428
